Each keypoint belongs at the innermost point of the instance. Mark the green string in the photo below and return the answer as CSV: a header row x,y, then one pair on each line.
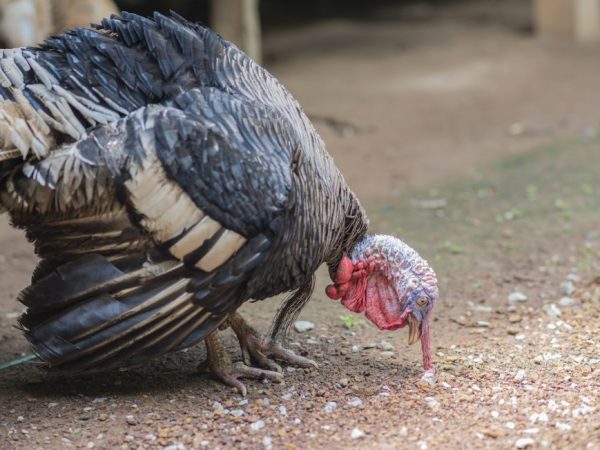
x,y
18,361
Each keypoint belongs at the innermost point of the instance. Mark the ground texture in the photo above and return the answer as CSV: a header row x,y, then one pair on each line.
x,y
475,143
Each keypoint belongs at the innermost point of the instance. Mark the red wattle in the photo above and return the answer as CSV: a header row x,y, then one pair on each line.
x,y
332,292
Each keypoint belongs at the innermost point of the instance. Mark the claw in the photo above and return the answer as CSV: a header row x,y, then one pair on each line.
x,y
220,367
256,348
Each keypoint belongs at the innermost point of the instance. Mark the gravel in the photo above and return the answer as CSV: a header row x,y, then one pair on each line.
x,y
302,326
517,297
357,433
524,442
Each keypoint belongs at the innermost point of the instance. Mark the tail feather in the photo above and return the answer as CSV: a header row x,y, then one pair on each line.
x,y
93,313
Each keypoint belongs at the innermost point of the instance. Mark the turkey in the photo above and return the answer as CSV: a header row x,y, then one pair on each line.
x,y
166,179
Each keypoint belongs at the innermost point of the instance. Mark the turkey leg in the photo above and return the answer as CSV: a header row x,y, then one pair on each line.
x,y
255,347
220,366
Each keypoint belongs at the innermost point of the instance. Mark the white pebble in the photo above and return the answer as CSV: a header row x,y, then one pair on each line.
x,y
541,417
267,443
495,414
258,425
566,301
330,407
520,375
524,442
355,401
357,434
283,410
552,310
563,426
510,425
386,346
517,297
236,412
355,349
302,326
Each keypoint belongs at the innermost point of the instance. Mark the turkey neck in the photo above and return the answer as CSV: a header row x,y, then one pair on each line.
x,y
324,221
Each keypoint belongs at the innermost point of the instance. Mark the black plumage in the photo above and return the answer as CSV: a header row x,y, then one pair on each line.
x,y
165,179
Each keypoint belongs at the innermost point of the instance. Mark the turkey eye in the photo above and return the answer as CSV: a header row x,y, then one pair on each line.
x,y
422,302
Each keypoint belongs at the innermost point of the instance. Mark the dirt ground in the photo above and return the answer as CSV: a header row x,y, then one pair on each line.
x,y
474,142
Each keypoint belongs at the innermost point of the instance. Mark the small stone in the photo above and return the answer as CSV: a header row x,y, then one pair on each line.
x,y
483,324
517,297
99,400
330,407
357,433
287,396
538,359
258,425
514,318
541,417
369,346
355,349
236,412
290,369
311,341
386,346
20,419
524,442
510,425
512,331
573,278
267,443
387,354
344,382
103,417
354,402
567,288
150,437
131,420
566,301
302,326
427,380
520,375
432,403
283,410
552,310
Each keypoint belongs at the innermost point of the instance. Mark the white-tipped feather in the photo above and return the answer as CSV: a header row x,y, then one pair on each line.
x,y
194,238
229,243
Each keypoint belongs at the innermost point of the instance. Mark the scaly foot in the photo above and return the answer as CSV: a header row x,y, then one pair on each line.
x,y
220,366
256,348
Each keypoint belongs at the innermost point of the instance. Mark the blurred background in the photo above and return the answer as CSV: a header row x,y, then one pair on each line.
x,y
403,92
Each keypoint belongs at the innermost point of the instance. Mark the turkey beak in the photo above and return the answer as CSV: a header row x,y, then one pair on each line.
x,y
414,329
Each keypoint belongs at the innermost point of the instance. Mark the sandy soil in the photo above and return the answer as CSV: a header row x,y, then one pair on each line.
x,y
499,130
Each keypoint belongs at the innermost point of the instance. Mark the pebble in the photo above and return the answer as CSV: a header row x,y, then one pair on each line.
x,y
302,326
428,379
131,420
512,331
357,433
517,297
510,425
258,425
541,417
432,403
369,346
514,318
566,301
567,288
330,407
483,324
311,341
387,354
355,349
283,410
524,442
267,443
236,412
552,310
520,375
344,382
355,401
386,346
